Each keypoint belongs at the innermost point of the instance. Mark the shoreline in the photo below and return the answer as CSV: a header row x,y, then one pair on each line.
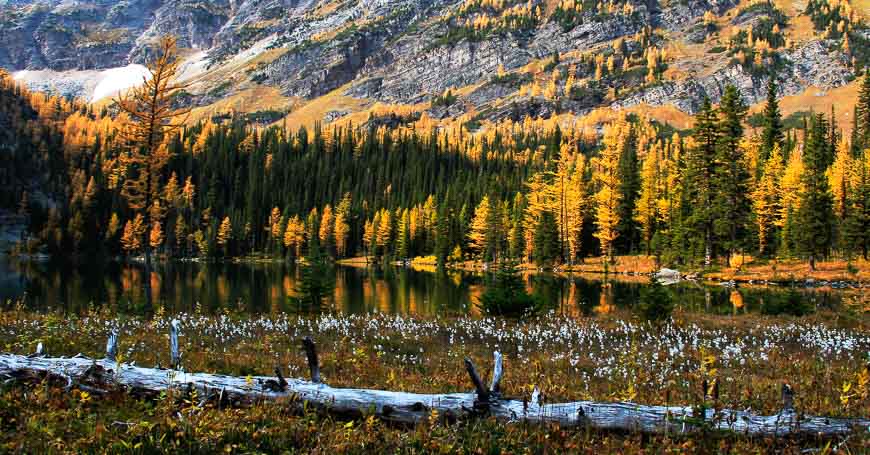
x,y
834,274
829,274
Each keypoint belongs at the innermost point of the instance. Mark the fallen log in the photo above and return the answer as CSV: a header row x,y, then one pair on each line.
x,y
98,374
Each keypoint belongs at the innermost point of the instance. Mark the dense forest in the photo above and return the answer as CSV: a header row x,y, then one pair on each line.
x,y
99,183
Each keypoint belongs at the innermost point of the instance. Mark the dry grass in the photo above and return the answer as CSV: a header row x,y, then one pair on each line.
x,y
326,8
354,261
313,111
380,109
862,7
256,98
800,29
818,100
794,270
667,114
604,358
621,264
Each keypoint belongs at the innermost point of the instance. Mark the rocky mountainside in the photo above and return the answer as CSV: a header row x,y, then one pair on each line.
x,y
479,60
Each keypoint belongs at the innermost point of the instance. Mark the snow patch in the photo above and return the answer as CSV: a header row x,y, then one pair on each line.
x,y
115,80
91,85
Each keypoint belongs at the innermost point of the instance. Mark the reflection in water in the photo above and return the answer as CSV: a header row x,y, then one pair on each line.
x,y
268,288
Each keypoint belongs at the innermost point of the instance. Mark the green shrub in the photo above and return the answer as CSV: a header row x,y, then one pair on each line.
x,y
506,294
792,303
655,301
317,281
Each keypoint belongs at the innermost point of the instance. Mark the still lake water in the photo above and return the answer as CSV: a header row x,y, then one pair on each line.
x,y
268,287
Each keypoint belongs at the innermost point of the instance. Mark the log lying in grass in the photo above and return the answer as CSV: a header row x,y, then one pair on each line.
x,y
91,374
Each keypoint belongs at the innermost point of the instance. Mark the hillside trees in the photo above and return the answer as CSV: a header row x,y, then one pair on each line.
x,y
532,190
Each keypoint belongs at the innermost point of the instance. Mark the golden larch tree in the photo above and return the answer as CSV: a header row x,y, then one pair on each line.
x,y
767,199
646,210
478,230
385,229
341,232
149,116
225,233
369,235
294,235
155,237
606,175
839,176
327,226
274,226
131,239
791,187
114,225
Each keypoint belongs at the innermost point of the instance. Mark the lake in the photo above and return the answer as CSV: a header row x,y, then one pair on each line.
x,y
268,287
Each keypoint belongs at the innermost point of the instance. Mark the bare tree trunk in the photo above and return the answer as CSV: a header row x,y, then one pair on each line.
x,y
147,281
708,249
99,375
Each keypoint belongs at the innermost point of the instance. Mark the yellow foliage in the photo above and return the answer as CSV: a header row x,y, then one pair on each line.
x,y
605,172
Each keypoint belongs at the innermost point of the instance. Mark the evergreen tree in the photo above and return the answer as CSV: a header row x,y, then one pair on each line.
x,y
546,240
731,205
629,189
856,227
442,236
816,214
516,236
698,189
772,127
862,116
317,280
506,294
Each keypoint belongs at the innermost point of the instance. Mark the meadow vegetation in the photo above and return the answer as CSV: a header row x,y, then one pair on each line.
x,y
610,358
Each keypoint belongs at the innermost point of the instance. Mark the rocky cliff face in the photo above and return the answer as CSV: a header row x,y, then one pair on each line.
x,y
71,35
811,65
407,51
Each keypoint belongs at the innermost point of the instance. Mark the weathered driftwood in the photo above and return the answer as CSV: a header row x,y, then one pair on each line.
x,y
92,374
174,353
311,355
412,407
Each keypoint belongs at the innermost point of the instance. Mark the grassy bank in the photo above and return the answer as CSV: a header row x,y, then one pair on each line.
x,y
741,269
611,358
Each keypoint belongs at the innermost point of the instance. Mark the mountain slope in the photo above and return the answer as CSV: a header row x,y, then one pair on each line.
x,y
498,58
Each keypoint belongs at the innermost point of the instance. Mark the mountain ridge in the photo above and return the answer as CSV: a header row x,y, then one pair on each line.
x,y
498,58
